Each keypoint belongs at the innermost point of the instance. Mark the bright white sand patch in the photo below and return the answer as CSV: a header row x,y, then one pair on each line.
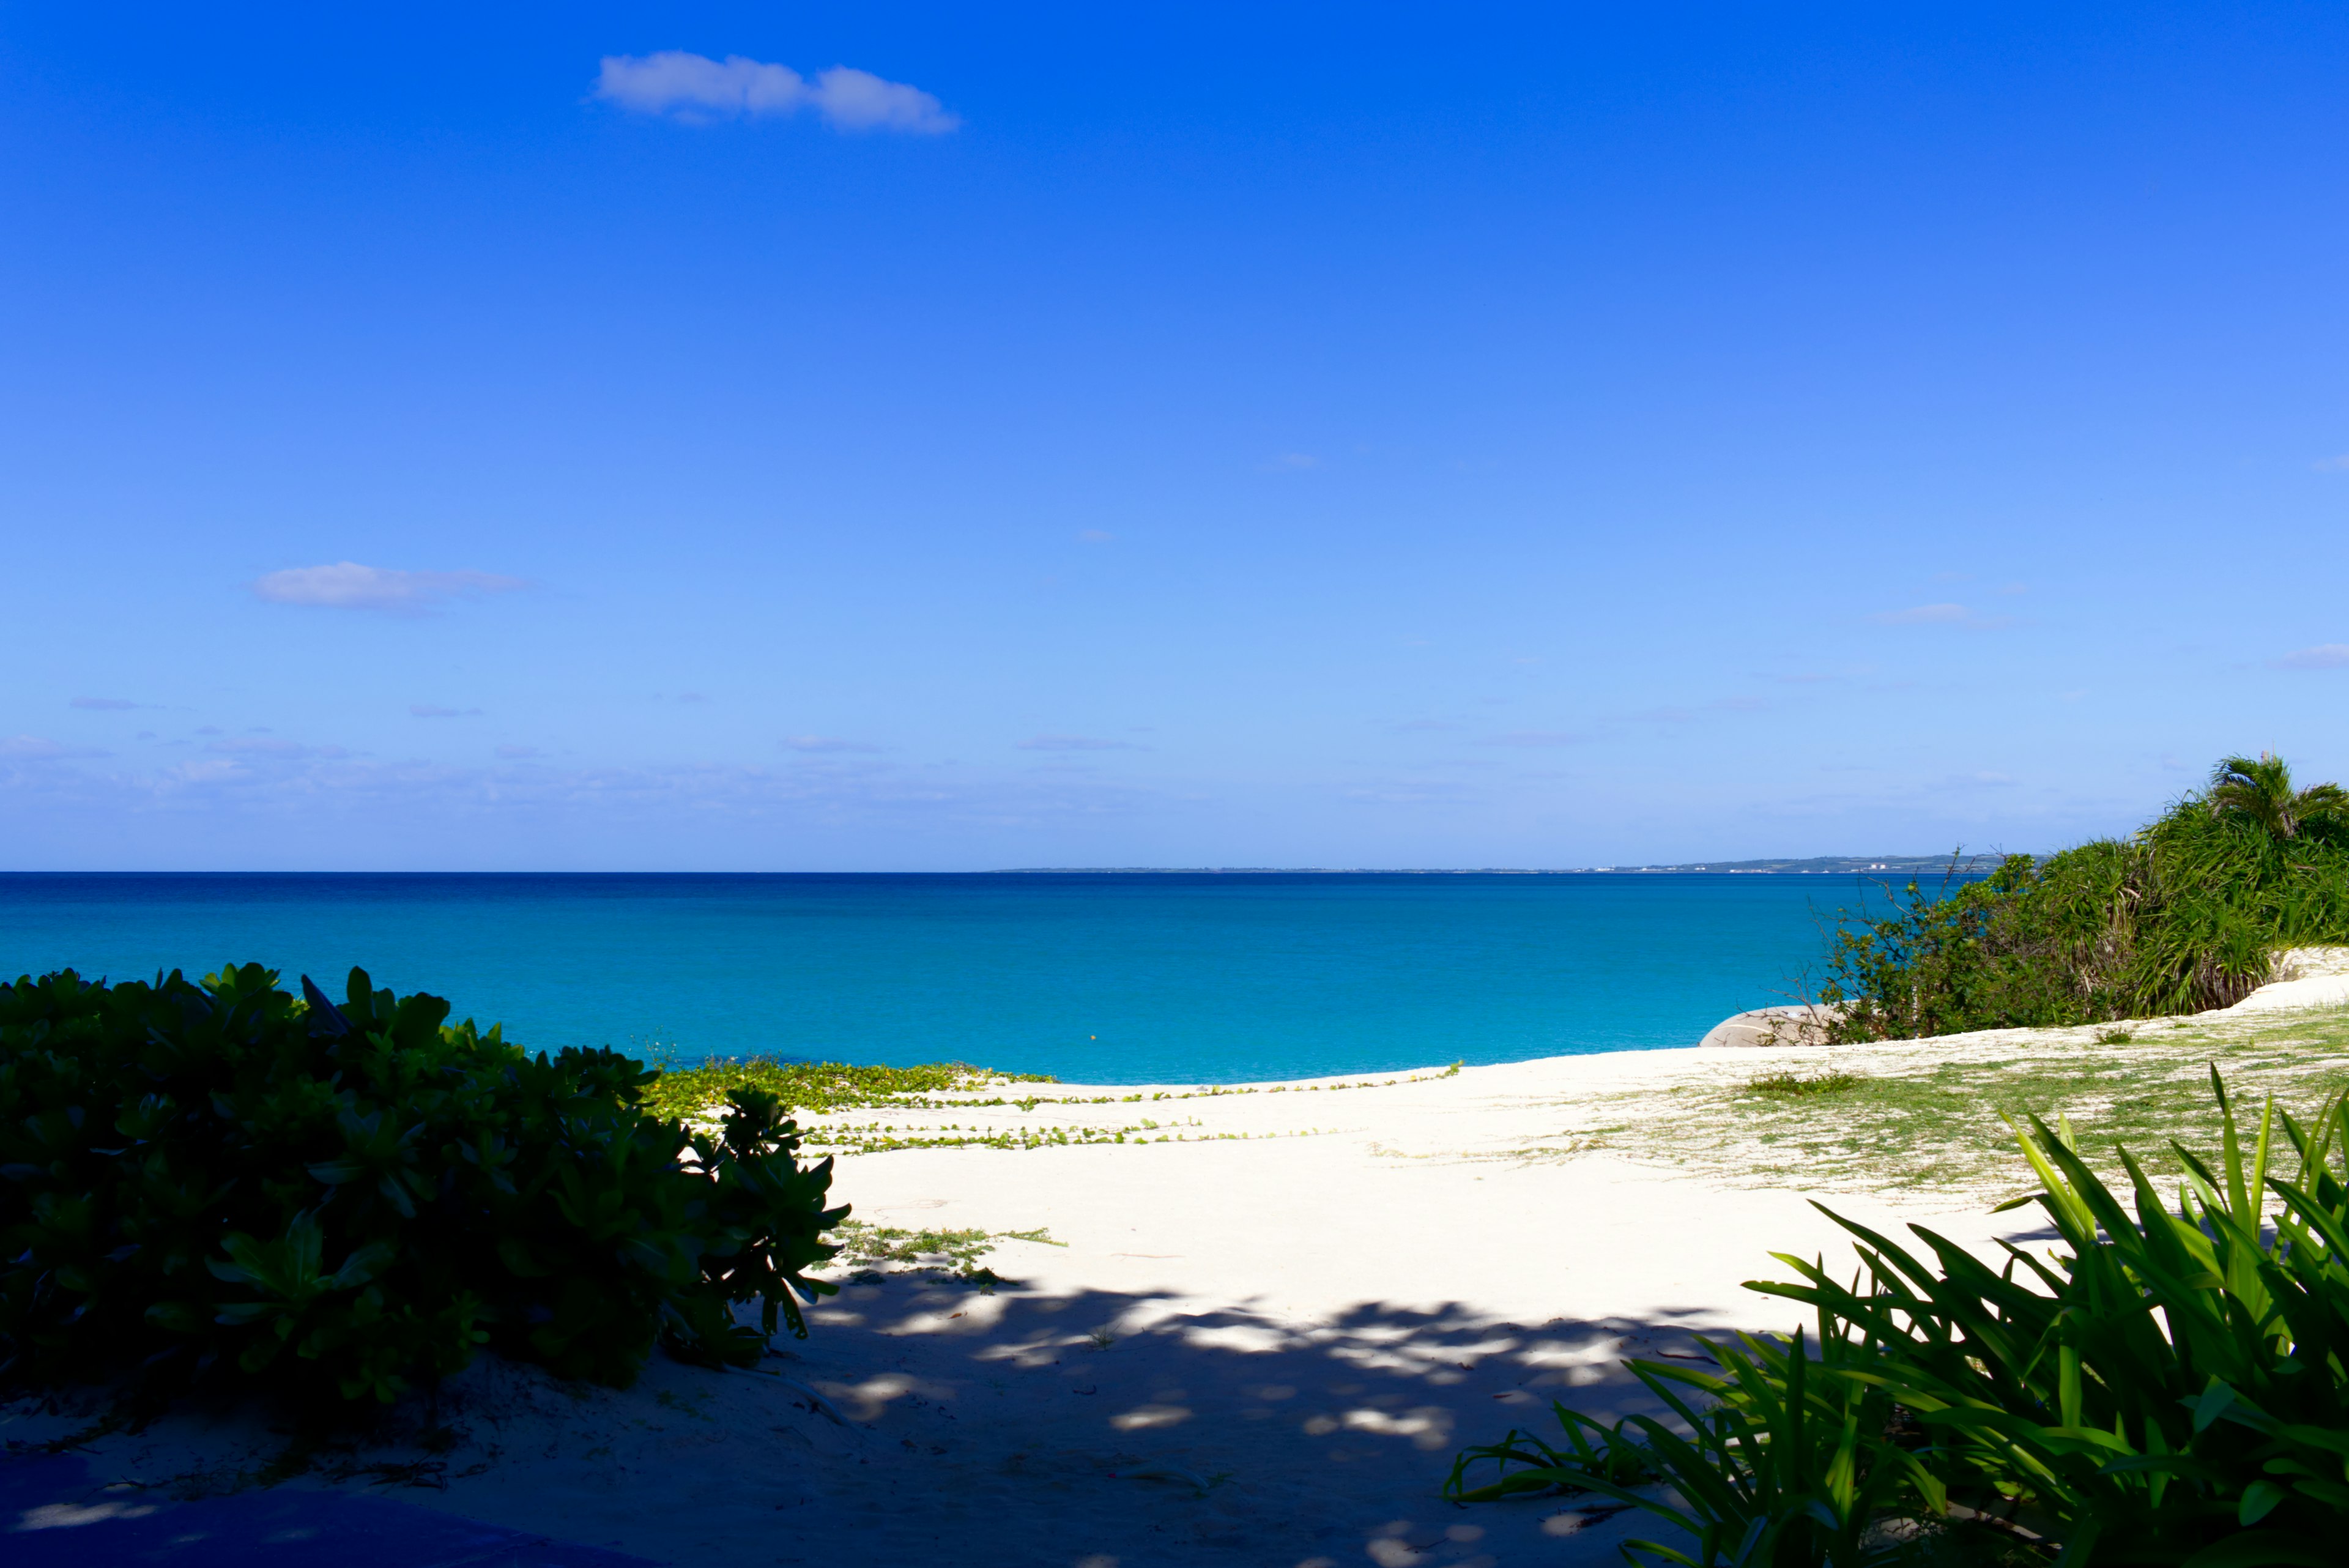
x,y
1260,1344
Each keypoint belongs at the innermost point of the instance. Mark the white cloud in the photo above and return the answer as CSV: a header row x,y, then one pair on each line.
x,y
697,88
1535,738
105,704
1076,744
2332,465
346,585
41,747
1923,615
2323,656
1942,615
269,746
827,743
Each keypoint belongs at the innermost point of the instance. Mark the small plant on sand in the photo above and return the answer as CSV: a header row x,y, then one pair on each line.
x,y
869,1248
2169,1388
228,1181
1794,1087
682,1093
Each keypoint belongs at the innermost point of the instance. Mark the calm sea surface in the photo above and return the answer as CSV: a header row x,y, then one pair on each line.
x,y
1106,977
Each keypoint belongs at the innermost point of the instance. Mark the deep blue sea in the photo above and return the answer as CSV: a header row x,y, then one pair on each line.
x,y
1099,976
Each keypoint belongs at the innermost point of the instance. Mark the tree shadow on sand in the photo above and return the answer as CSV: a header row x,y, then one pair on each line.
x,y
927,1421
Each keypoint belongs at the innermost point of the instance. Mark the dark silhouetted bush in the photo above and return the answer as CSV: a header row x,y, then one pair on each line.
x,y
231,1179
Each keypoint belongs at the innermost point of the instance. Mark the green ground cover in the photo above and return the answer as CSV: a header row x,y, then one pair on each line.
x,y
831,1089
1928,1115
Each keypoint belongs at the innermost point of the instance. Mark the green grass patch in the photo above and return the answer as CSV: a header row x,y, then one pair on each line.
x,y
1929,1114
871,1251
1795,1086
821,1086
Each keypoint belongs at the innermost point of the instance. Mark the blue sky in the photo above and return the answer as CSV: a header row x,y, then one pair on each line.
x,y
948,438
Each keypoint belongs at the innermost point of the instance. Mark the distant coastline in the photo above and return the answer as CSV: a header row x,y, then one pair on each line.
x,y
1815,866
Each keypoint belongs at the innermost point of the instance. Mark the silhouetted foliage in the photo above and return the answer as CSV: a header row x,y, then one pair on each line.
x,y
340,1201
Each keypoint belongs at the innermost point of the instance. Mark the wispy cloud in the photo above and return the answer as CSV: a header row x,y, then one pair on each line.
x,y
1535,738
696,89
346,585
1289,463
270,746
105,704
41,748
1076,744
1737,704
1095,535
826,743
516,753
1940,615
1420,726
2332,465
2323,656
428,711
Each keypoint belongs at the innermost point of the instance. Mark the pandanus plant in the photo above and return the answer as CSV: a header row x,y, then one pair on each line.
x,y
2169,1387
2257,789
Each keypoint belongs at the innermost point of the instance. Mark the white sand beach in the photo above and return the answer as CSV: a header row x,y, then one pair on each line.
x,y
1260,1344
1256,1331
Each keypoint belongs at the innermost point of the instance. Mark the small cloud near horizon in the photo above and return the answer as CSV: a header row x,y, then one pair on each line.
x,y
696,89
1536,738
2323,656
104,704
1419,726
431,711
826,743
1075,743
1940,615
43,749
346,585
248,745
517,753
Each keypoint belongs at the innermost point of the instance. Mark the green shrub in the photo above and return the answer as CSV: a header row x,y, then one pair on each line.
x,y
341,1201
2172,1390
2186,915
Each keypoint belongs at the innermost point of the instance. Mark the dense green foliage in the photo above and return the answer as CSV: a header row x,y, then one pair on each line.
x,y
2172,1391
2186,915
341,1201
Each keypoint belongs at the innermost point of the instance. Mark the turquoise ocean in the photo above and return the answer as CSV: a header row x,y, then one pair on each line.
x,y
1112,977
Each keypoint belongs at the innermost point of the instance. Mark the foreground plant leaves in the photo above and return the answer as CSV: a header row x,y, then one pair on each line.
x,y
344,1200
2171,1387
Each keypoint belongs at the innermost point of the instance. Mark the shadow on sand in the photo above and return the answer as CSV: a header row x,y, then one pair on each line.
x,y
925,1421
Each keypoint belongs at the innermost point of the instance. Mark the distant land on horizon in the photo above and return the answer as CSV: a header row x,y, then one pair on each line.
x,y
1815,865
